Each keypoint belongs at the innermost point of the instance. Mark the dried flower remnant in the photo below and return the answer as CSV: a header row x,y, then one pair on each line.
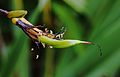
x,y
32,49
37,56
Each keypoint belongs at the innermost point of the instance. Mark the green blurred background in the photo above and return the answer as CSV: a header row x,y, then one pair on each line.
x,y
92,20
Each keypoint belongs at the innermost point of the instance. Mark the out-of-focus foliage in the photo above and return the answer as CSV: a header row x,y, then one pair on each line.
x,y
92,20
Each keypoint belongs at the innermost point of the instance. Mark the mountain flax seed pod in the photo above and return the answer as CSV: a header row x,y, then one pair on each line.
x,y
60,43
17,14
39,36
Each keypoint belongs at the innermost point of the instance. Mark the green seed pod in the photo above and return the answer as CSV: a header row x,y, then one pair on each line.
x,y
59,43
17,14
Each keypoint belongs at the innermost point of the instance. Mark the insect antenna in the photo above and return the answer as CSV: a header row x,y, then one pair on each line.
x,y
97,45
62,30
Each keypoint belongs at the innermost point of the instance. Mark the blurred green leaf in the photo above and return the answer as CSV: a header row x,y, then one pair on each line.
x,y
17,4
92,6
108,67
17,50
78,5
110,18
40,6
12,59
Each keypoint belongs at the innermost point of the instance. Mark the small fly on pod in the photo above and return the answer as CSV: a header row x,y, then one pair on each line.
x,y
46,37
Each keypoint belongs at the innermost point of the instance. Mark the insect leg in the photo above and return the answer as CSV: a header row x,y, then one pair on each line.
x,y
38,46
59,35
62,30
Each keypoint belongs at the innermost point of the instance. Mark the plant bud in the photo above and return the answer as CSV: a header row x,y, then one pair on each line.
x,y
17,14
